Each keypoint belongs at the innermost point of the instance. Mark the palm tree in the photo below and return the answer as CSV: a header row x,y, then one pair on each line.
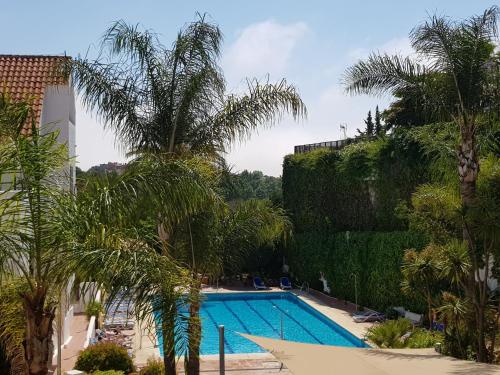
x,y
455,311
455,81
172,103
218,238
46,235
421,272
30,228
174,100
116,247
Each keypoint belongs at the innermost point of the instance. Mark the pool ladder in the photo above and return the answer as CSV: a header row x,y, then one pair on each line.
x,y
305,287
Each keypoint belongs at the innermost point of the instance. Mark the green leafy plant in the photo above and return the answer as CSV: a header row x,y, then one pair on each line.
x,y
108,372
94,308
422,338
421,274
154,366
104,356
390,334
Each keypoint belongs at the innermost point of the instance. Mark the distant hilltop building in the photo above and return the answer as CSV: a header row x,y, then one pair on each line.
x,y
111,167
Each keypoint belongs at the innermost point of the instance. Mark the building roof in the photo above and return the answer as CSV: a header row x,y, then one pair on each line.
x,y
26,77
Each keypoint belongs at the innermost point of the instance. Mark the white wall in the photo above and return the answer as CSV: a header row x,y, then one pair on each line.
x,y
58,114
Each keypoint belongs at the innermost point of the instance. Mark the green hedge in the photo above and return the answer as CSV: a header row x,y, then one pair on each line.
x,y
374,256
354,189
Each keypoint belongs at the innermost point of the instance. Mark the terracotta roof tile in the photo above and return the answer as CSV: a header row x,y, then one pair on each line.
x,y
26,77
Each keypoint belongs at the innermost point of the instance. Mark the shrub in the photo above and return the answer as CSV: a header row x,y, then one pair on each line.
x,y
154,367
109,372
422,338
390,334
104,356
93,308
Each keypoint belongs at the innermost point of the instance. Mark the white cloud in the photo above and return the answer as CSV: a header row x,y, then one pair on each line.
x,y
262,48
397,46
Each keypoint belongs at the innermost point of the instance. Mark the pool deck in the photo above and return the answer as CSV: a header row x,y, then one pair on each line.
x,y
256,363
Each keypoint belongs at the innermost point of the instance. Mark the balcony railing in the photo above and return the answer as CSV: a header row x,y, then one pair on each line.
x,y
332,145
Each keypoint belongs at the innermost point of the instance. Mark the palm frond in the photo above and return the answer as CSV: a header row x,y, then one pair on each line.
x,y
263,105
383,74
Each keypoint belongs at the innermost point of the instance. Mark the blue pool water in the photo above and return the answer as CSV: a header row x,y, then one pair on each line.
x,y
260,314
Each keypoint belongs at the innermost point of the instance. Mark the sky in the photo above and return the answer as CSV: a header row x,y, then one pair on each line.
x,y
310,43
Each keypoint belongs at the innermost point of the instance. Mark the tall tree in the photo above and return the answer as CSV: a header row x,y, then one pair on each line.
x,y
174,100
217,238
369,126
173,103
455,81
115,242
378,124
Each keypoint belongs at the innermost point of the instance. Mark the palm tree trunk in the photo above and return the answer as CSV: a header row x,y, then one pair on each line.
x,y
429,311
194,331
468,169
39,330
168,332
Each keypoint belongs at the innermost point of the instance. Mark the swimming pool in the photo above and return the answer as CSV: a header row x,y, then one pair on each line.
x,y
261,314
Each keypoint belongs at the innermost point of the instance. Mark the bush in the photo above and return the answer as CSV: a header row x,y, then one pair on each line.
x,y
401,334
390,334
422,338
154,367
109,372
104,356
94,308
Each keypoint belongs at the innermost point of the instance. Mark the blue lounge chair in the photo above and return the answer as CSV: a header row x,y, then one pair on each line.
x,y
258,283
285,283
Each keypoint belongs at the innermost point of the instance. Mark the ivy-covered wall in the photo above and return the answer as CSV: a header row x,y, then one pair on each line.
x,y
354,189
343,205
375,258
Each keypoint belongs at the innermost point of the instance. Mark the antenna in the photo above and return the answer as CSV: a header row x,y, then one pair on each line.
x,y
343,129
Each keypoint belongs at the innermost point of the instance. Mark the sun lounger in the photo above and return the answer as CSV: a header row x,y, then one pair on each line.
x,y
285,283
258,283
369,316
416,319
400,310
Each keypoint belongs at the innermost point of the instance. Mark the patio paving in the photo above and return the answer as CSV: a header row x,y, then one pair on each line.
x,y
79,332
244,367
70,351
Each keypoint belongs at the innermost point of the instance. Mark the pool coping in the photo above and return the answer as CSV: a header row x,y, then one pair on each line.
x,y
337,314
